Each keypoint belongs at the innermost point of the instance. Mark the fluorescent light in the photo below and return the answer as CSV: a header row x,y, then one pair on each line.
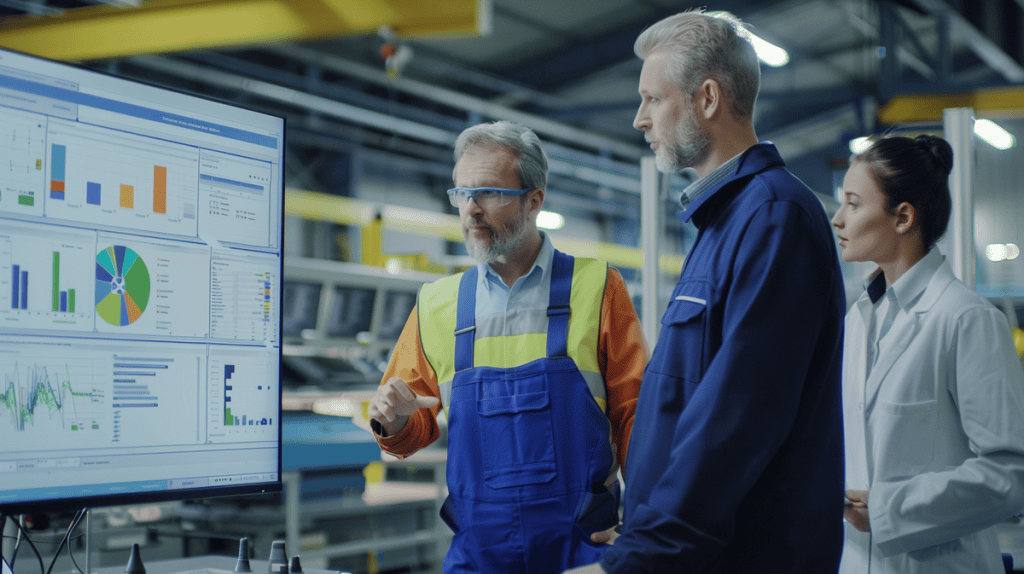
x,y
1012,251
993,134
860,145
1002,251
550,220
769,53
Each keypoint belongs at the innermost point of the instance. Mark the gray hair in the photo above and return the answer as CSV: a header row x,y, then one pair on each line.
x,y
532,161
701,46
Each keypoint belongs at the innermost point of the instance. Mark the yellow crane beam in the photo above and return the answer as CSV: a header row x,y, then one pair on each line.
x,y
988,103
159,26
346,211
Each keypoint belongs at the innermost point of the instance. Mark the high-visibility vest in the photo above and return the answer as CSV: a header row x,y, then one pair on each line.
x,y
436,313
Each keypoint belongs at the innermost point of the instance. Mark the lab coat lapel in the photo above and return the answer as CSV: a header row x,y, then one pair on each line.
x,y
903,330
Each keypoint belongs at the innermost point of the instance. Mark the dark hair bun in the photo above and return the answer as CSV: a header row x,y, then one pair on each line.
x,y
939,149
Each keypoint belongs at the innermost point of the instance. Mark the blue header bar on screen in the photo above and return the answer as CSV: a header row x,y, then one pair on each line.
x,y
133,110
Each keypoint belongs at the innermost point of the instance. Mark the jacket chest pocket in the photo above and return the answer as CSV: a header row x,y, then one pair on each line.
x,y
904,437
680,349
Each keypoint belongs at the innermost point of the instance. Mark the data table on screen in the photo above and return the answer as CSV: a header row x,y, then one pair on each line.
x,y
151,287
22,155
232,199
242,287
117,179
45,277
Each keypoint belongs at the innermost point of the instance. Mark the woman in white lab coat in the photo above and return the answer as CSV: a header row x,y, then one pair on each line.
x,y
933,395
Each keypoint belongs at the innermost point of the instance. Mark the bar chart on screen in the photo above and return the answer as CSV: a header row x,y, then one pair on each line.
x,y
155,395
22,151
242,396
121,180
44,281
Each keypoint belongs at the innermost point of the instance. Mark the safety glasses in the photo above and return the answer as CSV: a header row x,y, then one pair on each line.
x,y
485,197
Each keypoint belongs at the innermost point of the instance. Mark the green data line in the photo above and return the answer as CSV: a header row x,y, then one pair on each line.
x,y
56,281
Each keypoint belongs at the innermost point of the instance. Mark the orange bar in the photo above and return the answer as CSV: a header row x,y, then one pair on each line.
x,y
159,189
127,196
56,185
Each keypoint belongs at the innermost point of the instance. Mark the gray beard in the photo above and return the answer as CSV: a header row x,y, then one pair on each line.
x,y
691,146
509,239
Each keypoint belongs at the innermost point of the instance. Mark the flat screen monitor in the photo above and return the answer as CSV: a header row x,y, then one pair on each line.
x,y
352,313
300,307
140,289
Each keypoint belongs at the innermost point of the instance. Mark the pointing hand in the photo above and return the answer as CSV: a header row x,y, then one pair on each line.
x,y
394,401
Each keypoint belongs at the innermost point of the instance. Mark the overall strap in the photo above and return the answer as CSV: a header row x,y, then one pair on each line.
x,y
465,321
558,305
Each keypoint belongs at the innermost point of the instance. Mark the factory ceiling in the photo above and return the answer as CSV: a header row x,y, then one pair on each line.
x,y
565,67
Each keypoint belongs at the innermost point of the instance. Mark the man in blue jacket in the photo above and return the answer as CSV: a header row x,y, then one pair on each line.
x,y
736,458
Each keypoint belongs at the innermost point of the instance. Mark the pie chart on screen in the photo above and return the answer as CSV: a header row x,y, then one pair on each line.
x,y
122,285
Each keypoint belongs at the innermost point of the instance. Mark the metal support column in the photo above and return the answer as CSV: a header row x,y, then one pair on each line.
x,y
292,520
889,74
958,244
652,227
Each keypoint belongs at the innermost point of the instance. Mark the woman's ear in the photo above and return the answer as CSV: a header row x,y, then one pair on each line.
x,y
906,217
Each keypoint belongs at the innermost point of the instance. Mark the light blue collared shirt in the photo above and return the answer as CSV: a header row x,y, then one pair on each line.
x,y
900,296
523,300
710,181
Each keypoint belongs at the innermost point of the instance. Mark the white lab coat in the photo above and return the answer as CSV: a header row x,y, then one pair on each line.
x,y
935,434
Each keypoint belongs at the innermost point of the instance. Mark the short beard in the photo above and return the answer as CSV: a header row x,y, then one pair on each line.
x,y
690,146
509,239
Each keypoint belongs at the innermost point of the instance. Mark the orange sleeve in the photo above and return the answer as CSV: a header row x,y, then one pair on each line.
x,y
410,364
622,356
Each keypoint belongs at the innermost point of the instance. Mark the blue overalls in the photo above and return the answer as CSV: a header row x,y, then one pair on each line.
x,y
528,452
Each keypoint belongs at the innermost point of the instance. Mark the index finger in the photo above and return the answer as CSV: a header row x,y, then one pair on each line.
x,y
403,389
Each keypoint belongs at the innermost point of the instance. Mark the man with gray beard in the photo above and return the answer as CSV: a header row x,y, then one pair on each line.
x,y
737,452
535,357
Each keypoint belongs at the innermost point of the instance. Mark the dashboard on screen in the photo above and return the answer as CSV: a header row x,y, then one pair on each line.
x,y
140,291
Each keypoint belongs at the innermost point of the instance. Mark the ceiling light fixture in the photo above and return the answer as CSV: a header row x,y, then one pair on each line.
x,y
860,145
767,52
993,134
1002,251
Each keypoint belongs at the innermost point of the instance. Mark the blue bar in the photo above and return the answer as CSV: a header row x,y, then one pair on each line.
x,y
243,420
14,287
92,193
54,194
63,301
115,106
24,289
58,158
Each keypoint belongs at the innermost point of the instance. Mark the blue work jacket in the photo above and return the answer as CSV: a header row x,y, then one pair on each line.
x,y
736,456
